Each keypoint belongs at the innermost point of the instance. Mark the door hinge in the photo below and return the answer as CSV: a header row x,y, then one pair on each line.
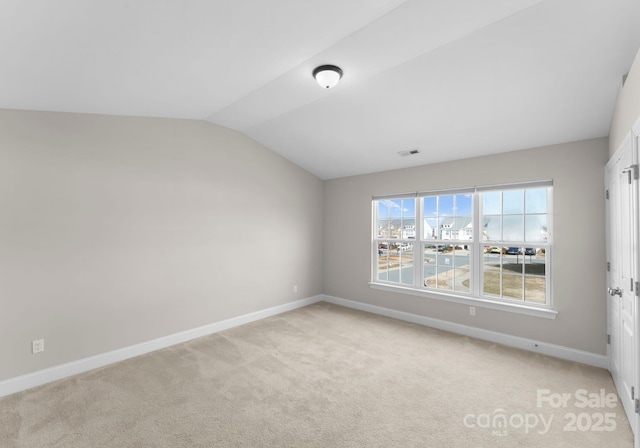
x,y
608,266
631,285
609,339
637,405
632,171
637,288
607,194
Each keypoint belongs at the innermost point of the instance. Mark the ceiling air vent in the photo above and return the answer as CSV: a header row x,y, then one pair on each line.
x,y
409,152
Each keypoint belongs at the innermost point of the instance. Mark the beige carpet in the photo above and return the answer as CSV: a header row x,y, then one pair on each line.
x,y
322,376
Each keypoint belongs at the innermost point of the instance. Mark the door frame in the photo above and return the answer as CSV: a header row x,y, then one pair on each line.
x,y
635,148
631,142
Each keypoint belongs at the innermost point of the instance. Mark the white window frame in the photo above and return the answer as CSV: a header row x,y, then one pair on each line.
x,y
474,296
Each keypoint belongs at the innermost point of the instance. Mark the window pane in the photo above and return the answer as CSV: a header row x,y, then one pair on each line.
x,y
447,226
385,229
450,228
393,256
430,221
535,265
462,262
385,220
536,200
535,289
536,228
390,207
405,256
513,228
464,228
491,203
492,228
456,228
383,261
383,209
445,278
430,278
408,208
492,267
463,280
395,207
462,257
491,284
512,260
512,267
512,286
445,256
430,205
430,228
513,255
408,228
513,202
535,280
445,205
464,204
429,255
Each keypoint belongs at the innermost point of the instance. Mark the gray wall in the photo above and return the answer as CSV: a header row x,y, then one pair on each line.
x,y
578,227
115,231
627,108
119,230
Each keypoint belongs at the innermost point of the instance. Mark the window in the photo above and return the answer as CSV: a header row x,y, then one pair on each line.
x,y
515,222
484,243
396,229
448,220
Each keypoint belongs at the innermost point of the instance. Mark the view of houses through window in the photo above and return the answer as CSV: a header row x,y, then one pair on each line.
x,y
488,243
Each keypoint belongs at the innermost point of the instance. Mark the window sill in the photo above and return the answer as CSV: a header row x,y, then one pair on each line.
x,y
478,302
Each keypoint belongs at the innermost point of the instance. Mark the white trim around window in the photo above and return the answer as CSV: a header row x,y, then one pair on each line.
x,y
476,301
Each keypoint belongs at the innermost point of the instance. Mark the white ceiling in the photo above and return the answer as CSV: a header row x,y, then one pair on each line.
x,y
455,78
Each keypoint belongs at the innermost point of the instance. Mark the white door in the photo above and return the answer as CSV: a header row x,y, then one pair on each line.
x,y
622,287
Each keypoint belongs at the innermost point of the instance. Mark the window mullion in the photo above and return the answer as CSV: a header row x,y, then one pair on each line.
x,y
476,267
418,259
374,241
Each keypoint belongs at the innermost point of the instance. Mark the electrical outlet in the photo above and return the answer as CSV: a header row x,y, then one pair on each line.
x,y
295,288
472,310
37,346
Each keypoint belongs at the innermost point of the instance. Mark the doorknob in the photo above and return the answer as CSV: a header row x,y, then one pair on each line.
x,y
615,292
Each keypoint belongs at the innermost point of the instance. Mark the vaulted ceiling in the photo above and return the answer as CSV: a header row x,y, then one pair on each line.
x,y
454,78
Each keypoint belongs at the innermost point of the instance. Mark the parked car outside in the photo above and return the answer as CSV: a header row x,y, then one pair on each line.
x,y
529,251
514,251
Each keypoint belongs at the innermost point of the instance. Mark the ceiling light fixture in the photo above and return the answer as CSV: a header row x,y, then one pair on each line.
x,y
327,75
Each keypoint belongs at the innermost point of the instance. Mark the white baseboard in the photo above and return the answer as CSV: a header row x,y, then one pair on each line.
x,y
558,351
23,382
